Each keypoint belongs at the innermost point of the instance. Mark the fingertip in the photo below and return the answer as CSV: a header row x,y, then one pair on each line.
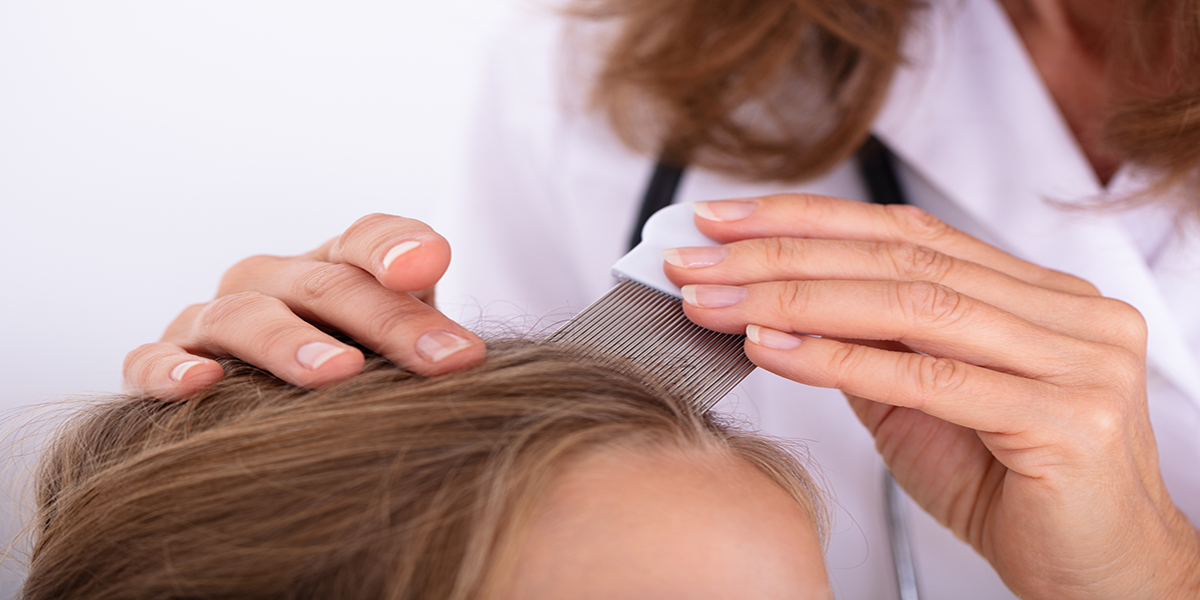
x,y
692,265
697,257
715,319
772,339
397,251
180,382
725,220
181,369
414,264
678,276
166,371
784,354
313,355
441,352
404,254
725,210
436,346
464,359
676,273
191,377
322,364
713,296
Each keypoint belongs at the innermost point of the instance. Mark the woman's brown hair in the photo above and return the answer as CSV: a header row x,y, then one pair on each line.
x,y
786,89
387,485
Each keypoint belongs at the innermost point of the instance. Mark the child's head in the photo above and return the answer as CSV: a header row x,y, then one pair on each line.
x,y
539,474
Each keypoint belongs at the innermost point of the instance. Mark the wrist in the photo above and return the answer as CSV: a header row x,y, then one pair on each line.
x,y
1158,559
1167,565
1180,572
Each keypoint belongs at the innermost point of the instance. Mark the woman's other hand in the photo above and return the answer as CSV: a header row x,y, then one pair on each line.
x,y
374,283
1008,399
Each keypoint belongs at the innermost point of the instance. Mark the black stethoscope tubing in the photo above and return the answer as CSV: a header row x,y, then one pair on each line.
x,y
877,165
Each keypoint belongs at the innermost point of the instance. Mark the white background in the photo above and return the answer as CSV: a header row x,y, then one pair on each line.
x,y
146,145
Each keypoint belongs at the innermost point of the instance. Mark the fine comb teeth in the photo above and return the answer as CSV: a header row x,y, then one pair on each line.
x,y
648,328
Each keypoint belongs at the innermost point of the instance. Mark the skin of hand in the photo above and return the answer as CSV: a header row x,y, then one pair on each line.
x,y
1009,400
374,282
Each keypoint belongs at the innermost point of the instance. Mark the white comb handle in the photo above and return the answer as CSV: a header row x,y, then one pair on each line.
x,y
671,227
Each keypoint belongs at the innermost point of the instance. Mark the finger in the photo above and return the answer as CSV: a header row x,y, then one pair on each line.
x,y
926,317
823,217
785,259
403,254
168,372
262,331
397,325
957,392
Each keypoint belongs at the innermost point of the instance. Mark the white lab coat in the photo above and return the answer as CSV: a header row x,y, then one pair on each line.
x,y
554,195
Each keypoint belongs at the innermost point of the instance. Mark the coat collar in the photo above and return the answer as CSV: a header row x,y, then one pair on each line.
x,y
970,115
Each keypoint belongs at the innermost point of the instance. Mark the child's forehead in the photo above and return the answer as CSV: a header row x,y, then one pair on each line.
x,y
663,524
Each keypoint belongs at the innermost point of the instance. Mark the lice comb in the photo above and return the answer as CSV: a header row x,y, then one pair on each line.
x,y
642,321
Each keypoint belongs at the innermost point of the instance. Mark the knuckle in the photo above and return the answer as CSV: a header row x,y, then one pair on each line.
x,y
842,364
800,200
389,323
1083,286
938,376
1119,368
775,252
180,328
239,277
369,229
931,304
1070,283
1123,323
1104,371
327,281
1105,421
227,312
365,223
793,296
262,340
140,363
920,263
917,224
1108,395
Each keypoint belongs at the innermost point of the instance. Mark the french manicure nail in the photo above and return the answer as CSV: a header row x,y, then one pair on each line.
x,y
724,210
315,354
437,345
398,250
182,368
771,338
695,258
713,296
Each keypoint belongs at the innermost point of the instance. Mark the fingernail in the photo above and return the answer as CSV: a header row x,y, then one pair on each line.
x,y
695,258
437,345
713,296
315,354
724,210
396,251
771,338
181,369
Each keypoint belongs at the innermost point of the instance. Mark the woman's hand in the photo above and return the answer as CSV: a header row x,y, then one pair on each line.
x,y
1008,399
374,283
